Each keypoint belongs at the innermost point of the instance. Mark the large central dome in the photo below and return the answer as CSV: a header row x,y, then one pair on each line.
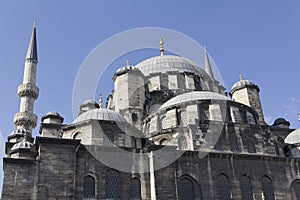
x,y
168,63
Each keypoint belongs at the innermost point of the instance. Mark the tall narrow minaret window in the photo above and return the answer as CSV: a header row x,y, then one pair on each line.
x,y
207,64
28,91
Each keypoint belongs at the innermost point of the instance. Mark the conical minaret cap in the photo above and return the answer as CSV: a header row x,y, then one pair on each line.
x,y
32,48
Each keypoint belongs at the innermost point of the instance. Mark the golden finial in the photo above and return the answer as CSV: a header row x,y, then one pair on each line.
x,y
161,44
127,62
100,101
34,24
241,77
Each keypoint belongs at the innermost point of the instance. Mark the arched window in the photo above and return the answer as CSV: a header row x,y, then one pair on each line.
x,y
246,188
295,190
89,187
267,187
182,143
135,189
223,186
185,189
112,187
233,142
188,189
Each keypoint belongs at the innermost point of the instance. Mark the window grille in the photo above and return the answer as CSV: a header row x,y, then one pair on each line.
x,y
133,142
89,187
135,189
182,143
223,185
246,188
185,189
251,145
267,187
108,139
112,184
233,142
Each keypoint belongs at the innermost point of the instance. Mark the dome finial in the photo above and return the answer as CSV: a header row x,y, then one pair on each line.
x,y
161,44
34,24
100,101
205,48
127,62
241,77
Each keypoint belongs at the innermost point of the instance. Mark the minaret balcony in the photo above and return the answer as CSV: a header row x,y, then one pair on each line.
x,y
25,119
28,90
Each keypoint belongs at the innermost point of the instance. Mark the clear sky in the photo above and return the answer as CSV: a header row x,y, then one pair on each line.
x,y
259,39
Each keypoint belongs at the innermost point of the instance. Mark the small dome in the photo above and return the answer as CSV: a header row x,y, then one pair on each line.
x,y
241,84
24,144
52,115
100,114
192,96
90,103
281,121
293,137
20,131
169,63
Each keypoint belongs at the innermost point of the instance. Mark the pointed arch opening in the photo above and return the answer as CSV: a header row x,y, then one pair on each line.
x,y
223,187
295,189
188,188
267,188
135,189
89,191
246,187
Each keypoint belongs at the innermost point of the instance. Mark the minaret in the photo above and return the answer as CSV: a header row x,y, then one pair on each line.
x,y
28,91
207,64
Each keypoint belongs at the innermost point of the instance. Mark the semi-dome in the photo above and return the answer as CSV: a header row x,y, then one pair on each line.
x,y
193,96
169,63
293,137
100,114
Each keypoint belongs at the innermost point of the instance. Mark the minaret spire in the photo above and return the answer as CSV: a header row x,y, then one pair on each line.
x,y
32,48
28,91
207,64
161,45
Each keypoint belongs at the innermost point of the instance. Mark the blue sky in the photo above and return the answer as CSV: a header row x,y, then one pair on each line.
x,y
259,39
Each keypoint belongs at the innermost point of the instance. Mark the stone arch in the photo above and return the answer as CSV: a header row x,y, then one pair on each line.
x,y
135,189
188,188
267,188
89,187
76,135
223,187
295,189
246,187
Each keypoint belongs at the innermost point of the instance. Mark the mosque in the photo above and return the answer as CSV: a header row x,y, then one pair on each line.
x,y
169,131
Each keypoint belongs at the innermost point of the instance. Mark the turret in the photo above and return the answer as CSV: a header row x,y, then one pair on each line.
x,y
129,94
246,92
